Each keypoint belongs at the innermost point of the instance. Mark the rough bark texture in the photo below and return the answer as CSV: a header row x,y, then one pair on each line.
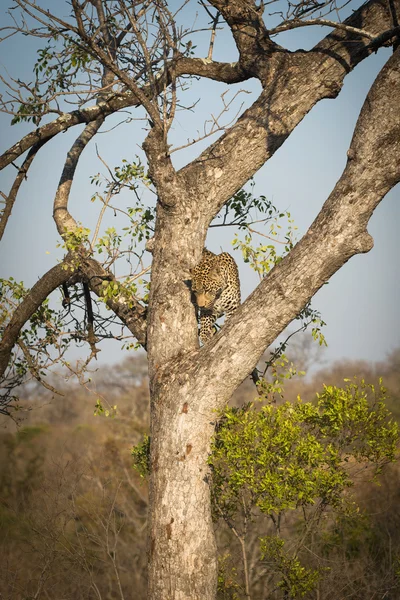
x,y
182,552
63,219
293,83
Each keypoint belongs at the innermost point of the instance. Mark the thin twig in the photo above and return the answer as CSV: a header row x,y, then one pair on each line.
x,y
34,369
215,125
295,23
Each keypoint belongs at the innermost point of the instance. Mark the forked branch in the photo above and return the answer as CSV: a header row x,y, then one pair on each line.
x,y
74,268
293,84
338,233
224,72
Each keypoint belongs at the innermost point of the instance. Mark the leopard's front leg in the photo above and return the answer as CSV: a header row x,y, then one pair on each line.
x,y
207,329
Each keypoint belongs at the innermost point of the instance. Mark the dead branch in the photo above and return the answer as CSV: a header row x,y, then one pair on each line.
x,y
128,309
215,122
214,23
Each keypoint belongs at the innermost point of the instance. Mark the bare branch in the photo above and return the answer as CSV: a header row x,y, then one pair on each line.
x,y
224,72
215,123
67,120
129,310
63,219
295,23
35,369
22,175
385,37
98,53
100,218
214,21
212,40
57,21
136,28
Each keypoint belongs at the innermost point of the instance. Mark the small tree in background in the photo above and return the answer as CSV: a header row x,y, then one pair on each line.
x,y
294,465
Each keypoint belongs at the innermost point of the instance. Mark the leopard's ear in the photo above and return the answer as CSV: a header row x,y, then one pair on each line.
x,y
191,272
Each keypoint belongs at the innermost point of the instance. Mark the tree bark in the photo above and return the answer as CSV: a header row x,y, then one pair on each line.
x,y
182,550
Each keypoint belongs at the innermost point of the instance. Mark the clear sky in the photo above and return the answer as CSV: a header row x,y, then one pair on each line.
x,y
360,304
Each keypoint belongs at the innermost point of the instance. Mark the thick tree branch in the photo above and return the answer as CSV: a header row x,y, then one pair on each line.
x,y
30,304
373,17
338,233
62,217
76,117
293,84
385,37
79,268
161,169
128,310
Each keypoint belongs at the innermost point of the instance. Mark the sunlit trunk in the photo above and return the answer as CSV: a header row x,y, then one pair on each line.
x,y
182,550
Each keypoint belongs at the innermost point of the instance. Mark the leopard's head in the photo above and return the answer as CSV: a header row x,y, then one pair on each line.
x,y
207,285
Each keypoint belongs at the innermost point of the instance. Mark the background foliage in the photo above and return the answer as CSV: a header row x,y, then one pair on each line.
x,y
73,510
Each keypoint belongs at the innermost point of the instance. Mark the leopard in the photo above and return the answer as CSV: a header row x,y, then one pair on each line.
x,y
216,287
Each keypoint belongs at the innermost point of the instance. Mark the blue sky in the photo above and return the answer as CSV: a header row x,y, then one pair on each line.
x,y
360,304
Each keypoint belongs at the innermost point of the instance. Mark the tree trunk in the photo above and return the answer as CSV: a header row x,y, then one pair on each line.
x,y
182,549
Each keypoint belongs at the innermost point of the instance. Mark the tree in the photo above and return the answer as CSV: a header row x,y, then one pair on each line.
x,y
298,458
107,56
